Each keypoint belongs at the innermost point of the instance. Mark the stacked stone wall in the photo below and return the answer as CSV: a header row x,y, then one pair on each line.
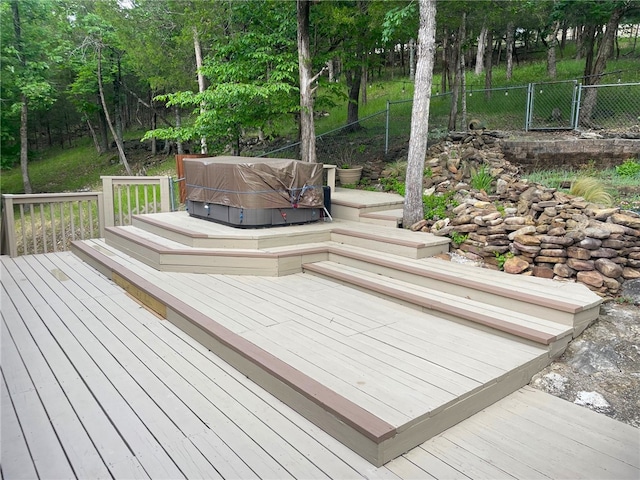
x,y
527,228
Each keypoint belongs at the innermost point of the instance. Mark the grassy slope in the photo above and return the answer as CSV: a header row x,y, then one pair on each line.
x,y
79,168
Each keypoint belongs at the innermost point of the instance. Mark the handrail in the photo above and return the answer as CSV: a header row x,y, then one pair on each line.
x,y
11,201
112,195
33,222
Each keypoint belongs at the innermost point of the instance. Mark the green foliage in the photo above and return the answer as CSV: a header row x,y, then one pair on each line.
x,y
482,179
392,184
592,190
459,238
502,258
630,168
436,206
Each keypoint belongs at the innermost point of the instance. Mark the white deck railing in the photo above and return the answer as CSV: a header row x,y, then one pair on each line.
x,y
49,222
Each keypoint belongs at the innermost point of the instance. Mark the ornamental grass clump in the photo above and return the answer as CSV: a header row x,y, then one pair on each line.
x,y
592,190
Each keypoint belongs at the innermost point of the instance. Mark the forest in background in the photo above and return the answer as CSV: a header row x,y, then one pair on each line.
x,y
220,71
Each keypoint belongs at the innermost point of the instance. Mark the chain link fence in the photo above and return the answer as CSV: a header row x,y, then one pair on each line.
x,y
611,107
537,106
551,105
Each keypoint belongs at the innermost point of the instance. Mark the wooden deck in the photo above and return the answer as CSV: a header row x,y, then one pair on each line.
x,y
96,386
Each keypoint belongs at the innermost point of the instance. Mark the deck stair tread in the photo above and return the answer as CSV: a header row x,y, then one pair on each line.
x,y
565,295
566,292
519,324
405,376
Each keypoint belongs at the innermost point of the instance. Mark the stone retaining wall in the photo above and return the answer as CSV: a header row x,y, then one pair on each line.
x,y
542,154
527,228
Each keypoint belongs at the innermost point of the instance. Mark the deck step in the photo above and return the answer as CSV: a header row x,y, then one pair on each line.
x,y
387,218
166,255
518,324
379,377
391,240
563,302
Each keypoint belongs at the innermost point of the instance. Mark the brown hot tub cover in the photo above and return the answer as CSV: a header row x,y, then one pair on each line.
x,y
246,182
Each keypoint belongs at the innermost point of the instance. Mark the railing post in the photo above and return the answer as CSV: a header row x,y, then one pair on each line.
x,y
9,225
101,217
165,194
107,191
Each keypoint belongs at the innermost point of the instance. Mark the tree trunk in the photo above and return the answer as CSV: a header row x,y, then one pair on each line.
x,y
604,51
201,83
551,51
354,76
24,146
179,146
104,133
307,127
488,65
412,59
588,44
123,157
579,34
413,206
459,77
330,68
563,38
364,81
24,137
117,95
96,143
482,42
445,62
510,45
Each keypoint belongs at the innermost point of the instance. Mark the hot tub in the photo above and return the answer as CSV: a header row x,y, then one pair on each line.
x,y
254,192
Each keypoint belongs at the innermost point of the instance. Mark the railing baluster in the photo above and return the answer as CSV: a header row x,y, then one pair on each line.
x,y
24,238
90,204
120,204
33,229
137,200
72,216
128,187
62,227
54,246
155,201
146,199
80,210
44,228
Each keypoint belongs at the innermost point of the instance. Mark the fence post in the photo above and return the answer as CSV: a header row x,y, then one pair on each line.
x,y
386,130
9,226
107,191
576,122
529,109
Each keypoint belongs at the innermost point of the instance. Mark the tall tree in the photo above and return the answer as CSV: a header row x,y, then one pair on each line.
x,y
413,206
24,139
30,57
307,130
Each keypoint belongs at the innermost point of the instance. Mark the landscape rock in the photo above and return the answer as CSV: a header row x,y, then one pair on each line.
x,y
592,278
515,265
608,268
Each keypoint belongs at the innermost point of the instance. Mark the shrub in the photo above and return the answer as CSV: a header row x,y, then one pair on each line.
x,y
591,190
482,179
436,206
630,168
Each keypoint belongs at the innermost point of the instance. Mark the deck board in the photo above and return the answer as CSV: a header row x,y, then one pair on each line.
x,y
88,338
15,456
